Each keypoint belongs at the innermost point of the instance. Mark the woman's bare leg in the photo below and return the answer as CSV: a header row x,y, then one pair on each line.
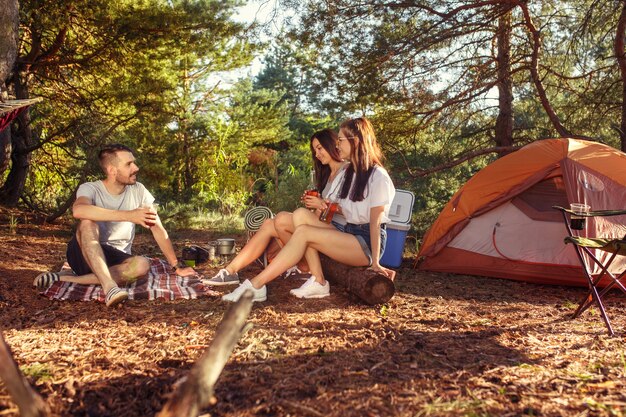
x,y
254,248
305,217
342,247
283,222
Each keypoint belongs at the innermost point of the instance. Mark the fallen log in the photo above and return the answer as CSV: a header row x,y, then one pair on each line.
x,y
196,391
369,286
28,401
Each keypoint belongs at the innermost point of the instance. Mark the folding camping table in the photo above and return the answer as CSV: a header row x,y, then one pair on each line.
x,y
584,247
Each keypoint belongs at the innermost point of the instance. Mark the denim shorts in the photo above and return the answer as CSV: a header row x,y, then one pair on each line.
x,y
339,226
362,234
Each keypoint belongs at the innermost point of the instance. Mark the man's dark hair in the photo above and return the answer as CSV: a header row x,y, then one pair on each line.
x,y
109,152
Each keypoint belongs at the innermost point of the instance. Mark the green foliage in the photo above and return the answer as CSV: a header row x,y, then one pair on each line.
x,y
287,196
131,72
37,371
145,74
195,216
293,166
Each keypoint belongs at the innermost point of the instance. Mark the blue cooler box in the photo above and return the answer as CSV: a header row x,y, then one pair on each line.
x,y
397,228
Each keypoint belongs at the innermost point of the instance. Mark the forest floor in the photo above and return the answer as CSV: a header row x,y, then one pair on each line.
x,y
444,345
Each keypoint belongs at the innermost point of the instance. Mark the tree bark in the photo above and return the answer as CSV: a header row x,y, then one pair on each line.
x,y
369,286
5,149
620,55
9,26
504,121
28,401
22,144
196,392
9,21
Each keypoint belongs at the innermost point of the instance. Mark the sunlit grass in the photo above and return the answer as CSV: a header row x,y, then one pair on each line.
x,y
473,407
606,409
37,371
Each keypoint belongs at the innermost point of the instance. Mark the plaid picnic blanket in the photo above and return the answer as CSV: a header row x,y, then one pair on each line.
x,y
160,283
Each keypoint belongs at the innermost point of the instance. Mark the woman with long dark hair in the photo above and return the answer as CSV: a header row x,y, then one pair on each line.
x,y
364,198
327,167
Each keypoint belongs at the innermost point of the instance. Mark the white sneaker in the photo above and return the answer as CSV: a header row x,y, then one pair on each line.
x,y
312,289
258,295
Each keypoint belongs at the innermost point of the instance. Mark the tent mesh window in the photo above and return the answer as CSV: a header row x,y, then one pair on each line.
x,y
537,201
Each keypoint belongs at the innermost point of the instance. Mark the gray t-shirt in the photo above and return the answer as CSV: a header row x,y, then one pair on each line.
x,y
117,234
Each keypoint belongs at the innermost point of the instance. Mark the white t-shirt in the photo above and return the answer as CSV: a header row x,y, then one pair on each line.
x,y
117,234
379,191
332,189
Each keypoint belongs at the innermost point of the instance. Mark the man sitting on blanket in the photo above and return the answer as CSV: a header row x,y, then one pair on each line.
x,y
108,210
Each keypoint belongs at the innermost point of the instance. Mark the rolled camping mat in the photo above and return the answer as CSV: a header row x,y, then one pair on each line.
x,y
254,218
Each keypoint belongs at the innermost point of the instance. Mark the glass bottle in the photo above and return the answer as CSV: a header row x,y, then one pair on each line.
x,y
311,189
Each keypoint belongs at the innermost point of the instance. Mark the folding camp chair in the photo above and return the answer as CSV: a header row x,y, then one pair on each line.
x,y
584,247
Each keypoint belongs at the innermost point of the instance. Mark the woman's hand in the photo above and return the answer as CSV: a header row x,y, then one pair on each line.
x,y
315,203
389,273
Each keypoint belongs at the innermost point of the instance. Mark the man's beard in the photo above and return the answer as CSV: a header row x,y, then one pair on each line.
x,y
130,180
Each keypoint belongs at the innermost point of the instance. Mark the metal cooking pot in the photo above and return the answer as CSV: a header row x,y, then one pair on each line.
x,y
225,246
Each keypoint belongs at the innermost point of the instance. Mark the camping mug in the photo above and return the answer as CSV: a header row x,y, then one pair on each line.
x,y
578,222
312,193
154,207
329,212
211,248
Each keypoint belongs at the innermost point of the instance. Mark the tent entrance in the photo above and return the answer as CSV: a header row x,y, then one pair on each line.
x,y
537,201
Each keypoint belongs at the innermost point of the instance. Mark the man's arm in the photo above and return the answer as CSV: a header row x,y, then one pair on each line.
x,y
165,244
84,210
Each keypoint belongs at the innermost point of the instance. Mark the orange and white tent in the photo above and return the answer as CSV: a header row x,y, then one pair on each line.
x,y
501,222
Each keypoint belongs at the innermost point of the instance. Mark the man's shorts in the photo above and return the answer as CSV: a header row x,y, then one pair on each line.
x,y
79,265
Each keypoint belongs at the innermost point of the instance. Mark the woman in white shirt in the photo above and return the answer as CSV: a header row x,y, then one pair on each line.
x,y
364,197
327,166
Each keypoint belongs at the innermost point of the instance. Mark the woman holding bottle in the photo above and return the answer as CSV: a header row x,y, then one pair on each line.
x,y
364,196
328,168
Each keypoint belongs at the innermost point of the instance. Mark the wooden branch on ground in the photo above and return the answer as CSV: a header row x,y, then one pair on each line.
x,y
28,401
196,392
369,286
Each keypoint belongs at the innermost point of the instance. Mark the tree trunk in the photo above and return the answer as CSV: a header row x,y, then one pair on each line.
x,y
9,21
369,286
620,54
28,401
504,121
196,392
5,149
22,145
9,25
